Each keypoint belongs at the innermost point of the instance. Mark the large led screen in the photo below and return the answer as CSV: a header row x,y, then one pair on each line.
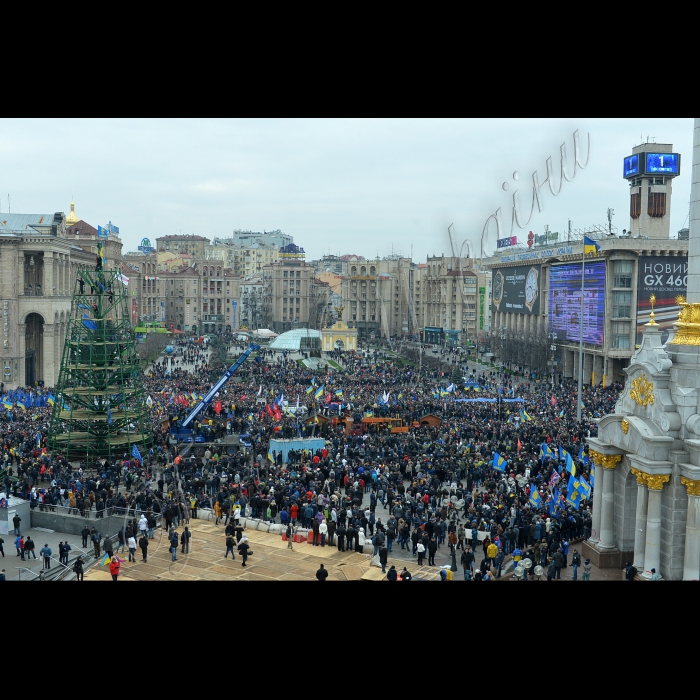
x,y
631,165
666,278
565,302
668,163
517,289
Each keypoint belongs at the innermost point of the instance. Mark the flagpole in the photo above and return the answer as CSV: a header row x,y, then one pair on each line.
x,y
580,334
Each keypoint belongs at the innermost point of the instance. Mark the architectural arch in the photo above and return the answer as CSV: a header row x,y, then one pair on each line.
x,y
33,348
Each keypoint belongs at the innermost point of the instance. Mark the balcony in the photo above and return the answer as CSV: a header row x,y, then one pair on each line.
x,y
214,318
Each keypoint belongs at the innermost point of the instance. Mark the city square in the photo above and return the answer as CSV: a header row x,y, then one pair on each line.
x,y
518,407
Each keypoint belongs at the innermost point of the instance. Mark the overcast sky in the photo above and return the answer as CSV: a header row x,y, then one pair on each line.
x,y
342,186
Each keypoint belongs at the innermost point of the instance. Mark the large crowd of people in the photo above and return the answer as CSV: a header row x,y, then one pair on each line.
x,y
487,474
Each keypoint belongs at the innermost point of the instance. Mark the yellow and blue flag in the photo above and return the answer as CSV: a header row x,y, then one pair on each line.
x,y
105,560
590,246
7,405
50,400
593,476
319,391
21,405
535,499
583,457
585,489
573,496
498,462
523,415
570,466
269,456
102,232
310,389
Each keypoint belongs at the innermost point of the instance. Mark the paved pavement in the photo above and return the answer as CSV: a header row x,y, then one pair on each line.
x,y
16,569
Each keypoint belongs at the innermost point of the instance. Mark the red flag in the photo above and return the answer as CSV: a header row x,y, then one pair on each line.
x,y
554,401
269,410
242,398
217,407
328,398
520,447
278,415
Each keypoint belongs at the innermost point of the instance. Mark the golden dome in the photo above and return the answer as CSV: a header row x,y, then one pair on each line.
x,y
72,218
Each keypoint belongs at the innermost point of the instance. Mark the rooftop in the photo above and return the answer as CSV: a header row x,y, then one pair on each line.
x,y
20,224
291,340
182,237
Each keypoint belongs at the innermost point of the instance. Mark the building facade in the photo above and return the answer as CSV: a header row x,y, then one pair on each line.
x,y
145,288
378,297
196,246
548,301
289,298
244,260
38,266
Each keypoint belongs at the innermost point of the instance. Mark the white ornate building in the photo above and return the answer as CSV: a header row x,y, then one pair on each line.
x,y
38,264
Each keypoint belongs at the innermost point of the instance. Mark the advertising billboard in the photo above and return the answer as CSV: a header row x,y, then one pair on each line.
x,y
665,278
517,289
507,242
565,302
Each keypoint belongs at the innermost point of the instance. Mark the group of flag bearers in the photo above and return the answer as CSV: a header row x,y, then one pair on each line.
x,y
577,488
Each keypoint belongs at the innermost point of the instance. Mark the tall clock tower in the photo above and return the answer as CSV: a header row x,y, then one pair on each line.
x,y
650,171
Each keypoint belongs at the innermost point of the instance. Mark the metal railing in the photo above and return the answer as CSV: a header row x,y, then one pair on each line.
x,y
20,569
92,514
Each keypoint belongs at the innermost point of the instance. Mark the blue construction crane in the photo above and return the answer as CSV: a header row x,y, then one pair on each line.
x,y
181,431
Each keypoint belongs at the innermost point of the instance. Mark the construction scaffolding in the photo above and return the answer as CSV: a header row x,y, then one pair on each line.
x,y
99,408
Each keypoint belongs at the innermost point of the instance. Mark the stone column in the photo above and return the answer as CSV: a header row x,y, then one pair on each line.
x,y
22,337
587,368
691,560
640,525
652,553
609,463
49,374
598,369
597,496
48,281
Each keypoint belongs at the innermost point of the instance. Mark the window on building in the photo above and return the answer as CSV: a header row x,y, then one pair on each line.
x,y
635,205
621,335
622,304
656,206
622,273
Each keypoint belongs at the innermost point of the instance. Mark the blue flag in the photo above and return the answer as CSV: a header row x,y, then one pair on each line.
x,y
583,456
498,462
573,496
553,502
135,453
535,500
109,417
570,466
585,489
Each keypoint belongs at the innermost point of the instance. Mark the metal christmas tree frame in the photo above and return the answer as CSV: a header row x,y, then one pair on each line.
x,y
99,409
